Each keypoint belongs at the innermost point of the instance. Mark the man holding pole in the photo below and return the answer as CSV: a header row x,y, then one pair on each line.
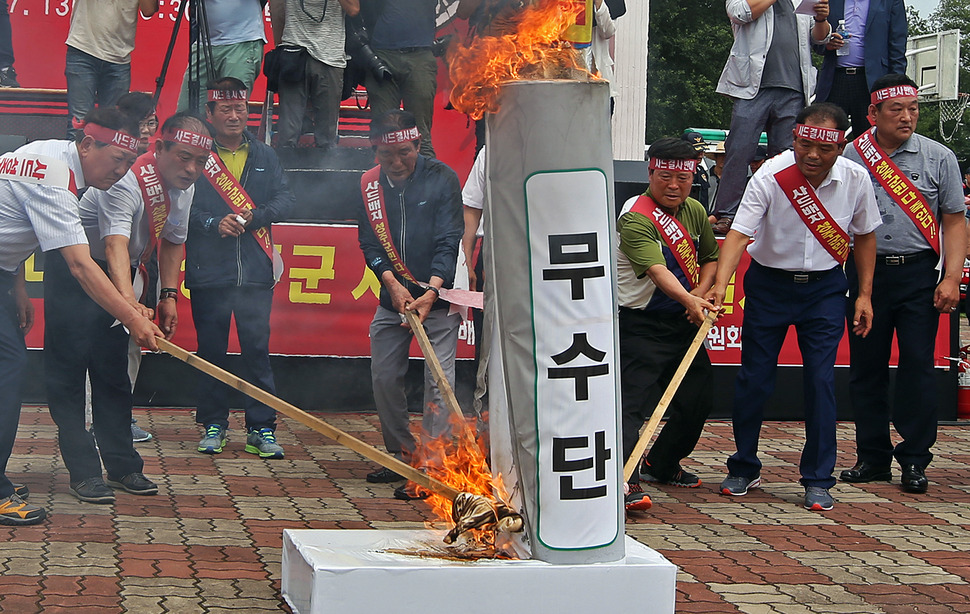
x,y
665,264
410,228
805,206
231,265
917,183
38,207
143,213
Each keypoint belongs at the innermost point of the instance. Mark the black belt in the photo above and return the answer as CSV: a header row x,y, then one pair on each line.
x,y
901,259
798,277
851,70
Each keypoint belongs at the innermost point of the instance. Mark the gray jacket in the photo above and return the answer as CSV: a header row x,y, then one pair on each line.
x,y
741,77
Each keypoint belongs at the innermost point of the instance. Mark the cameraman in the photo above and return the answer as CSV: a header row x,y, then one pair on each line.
x,y
318,27
402,35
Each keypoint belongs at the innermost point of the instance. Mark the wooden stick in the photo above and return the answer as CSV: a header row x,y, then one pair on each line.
x,y
437,372
291,411
658,413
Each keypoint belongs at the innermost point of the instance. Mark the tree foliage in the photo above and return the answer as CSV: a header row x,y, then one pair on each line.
x,y
688,44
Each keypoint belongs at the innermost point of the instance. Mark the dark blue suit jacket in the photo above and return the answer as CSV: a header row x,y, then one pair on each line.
x,y
885,43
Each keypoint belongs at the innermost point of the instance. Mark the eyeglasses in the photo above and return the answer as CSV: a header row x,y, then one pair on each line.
x,y
149,124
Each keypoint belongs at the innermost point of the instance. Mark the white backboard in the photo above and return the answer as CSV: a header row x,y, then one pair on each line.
x,y
933,62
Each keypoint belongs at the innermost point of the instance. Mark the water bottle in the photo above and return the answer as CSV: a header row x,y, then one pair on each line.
x,y
844,49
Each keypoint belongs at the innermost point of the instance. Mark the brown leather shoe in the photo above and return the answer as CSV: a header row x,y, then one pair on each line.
x,y
722,226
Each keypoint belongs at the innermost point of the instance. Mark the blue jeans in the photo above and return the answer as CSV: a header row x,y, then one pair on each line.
x,y
91,82
212,309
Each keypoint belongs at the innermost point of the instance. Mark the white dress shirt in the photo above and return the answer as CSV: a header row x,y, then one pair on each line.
x,y
33,215
120,210
782,240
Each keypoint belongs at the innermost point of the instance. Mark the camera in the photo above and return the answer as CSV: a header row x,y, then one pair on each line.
x,y
359,49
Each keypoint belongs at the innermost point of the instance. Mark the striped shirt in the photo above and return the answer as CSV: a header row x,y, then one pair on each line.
x,y
33,215
120,210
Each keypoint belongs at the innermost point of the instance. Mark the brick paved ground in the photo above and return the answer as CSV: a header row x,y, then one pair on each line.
x,y
210,541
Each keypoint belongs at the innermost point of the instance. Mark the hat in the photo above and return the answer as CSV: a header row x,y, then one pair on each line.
x,y
715,148
696,139
761,153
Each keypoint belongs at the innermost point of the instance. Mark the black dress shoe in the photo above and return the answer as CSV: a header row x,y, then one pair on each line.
x,y
410,492
865,471
914,479
384,476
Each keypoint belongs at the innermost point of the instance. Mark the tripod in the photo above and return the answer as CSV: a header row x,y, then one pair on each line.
x,y
199,42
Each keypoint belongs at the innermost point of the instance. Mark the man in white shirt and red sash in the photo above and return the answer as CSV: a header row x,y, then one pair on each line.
x,y
804,207
411,223
231,265
143,213
917,183
666,259
38,208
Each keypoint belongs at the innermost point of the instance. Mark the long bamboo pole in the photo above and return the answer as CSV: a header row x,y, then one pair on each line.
x,y
291,411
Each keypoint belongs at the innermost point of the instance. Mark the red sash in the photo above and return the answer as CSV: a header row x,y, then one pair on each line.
x,y
899,187
37,169
810,209
674,235
373,192
157,202
234,195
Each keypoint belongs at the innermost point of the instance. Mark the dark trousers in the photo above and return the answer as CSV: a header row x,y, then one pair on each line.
x,y
651,349
851,92
773,109
79,339
212,308
773,303
902,303
415,83
13,358
6,38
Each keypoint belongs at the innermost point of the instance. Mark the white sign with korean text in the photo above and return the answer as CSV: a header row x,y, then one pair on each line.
x,y
576,363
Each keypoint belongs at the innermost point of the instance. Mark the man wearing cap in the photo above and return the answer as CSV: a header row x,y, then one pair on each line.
x,y
231,265
410,227
805,206
38,207
769,77
665,264
920,199
144,212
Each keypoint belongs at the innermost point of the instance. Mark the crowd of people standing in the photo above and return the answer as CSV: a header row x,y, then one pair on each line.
x,y
858,223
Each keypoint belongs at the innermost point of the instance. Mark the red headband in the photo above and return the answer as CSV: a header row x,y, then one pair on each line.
x,y
226,95
896,91
405,135
111,137
187,137
673,165
819,134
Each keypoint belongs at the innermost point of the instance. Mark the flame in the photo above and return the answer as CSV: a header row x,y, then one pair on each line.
x,y
458,459
534,50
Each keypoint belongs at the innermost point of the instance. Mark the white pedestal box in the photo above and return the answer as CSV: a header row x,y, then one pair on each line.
x,y
350,572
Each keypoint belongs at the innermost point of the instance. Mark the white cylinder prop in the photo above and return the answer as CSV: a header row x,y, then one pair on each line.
x,y
550,232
